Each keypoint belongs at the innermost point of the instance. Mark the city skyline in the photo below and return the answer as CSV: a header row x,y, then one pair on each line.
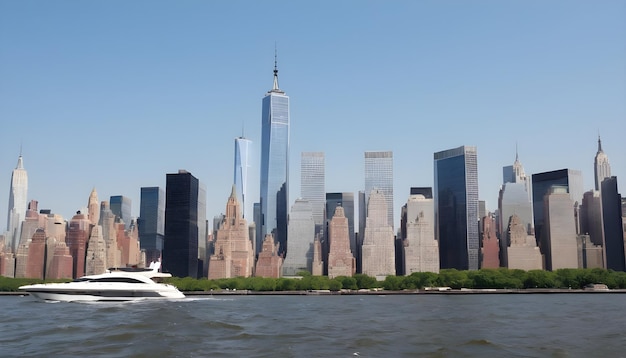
x,y
551,89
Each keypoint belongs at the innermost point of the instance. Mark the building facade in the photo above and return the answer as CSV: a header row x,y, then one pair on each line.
x,y
301,236
420,249
121,206
559,242
456,207
152,222
379,175
378,250
18,201
275,164
243,152
312,185
180,248
341,261
612,225
601,166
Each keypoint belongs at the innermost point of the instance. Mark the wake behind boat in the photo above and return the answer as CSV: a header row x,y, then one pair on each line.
x,y
120,284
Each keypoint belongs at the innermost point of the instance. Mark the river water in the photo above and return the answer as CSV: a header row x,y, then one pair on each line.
x,y
494,325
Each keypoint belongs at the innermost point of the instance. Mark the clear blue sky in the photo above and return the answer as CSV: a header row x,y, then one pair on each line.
x,y
115,94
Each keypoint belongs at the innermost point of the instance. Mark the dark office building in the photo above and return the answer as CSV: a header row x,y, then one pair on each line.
x,y
426,191
152,222
180,249
456,207
542,183
612,221
121,207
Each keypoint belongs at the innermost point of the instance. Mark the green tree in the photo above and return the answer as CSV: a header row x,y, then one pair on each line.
x,y
365,281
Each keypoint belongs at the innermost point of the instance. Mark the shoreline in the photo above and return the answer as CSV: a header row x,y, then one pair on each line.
x,y
497,291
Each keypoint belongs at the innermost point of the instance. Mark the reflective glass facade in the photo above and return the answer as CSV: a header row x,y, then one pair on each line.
x,y
152,222
275,166
180,249
121,207
312,184
456,207
379,175
242,165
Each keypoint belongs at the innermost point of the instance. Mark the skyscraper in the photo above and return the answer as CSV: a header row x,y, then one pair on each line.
x,y
378,250
121,207
312,184
17,203
301,236
233,255
275,163
346,201
420,249
180,248
558,243
340,259
571,180
152,222
612,225
601,166
456,207
242,164
379,175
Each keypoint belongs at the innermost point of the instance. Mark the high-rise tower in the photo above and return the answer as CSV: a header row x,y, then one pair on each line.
x,y
17,203
312,184
456,207
601,166
275,163
152,222
379,175
242,164
121,207
180,249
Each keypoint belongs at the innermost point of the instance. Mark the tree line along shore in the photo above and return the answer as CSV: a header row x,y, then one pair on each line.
x,y
501,278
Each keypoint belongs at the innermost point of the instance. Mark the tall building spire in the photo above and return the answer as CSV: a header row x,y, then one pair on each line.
x,y
601,166
275,86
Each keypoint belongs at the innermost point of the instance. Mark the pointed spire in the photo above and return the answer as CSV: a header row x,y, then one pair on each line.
x,y
233,192
599,144
516,153
20,161
275,87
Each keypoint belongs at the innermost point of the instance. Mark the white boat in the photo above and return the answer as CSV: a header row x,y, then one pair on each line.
x,y
114,285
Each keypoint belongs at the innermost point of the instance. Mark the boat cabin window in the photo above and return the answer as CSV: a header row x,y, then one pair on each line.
x,y
116,279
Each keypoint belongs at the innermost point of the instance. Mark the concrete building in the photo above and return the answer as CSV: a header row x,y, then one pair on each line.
x,y
590,217
559,245
301,233
346,201
317,266
77,237
269,263
569,179
490,246
96,258
109,234
378,250
420,249
233,254
523,252
456,207
341,261
61,263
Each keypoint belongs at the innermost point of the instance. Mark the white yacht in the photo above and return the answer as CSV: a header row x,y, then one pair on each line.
x,y
114,285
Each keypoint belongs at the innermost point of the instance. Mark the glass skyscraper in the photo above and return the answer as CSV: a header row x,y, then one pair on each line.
x,y
121,207
312,184
180,249
18,202
275,164
242,164
456,207
379,175
152,222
